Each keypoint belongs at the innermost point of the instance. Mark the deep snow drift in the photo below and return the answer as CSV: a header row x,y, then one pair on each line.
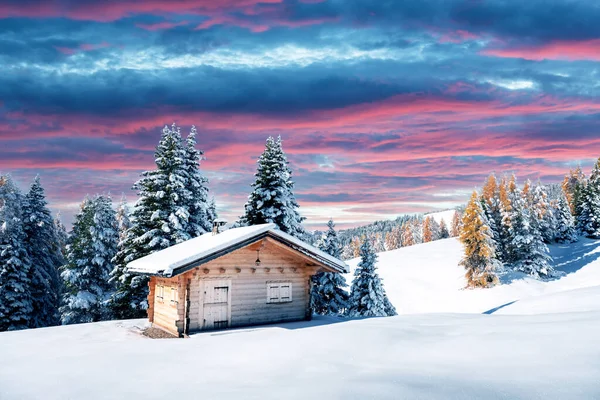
x,y
552,351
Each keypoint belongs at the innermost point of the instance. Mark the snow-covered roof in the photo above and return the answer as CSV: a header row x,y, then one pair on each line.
x,y
174,260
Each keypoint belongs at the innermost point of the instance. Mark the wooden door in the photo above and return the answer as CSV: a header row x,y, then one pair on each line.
x,y
217,295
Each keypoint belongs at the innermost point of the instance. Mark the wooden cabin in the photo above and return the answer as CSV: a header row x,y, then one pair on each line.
x,y
240,277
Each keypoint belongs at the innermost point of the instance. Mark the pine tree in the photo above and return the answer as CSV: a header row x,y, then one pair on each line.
x,y
444,234
89,255
367,295
200,209
493,211
588,208
122,216
541,212
62,236
505,189
476,237
15,265
571,186
565,231
526,246
272,199
159,219
328,295
45,252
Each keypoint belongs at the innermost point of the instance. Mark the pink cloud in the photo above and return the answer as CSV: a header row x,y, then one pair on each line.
x,y
458,36
557,50
82,47
161,25
111,11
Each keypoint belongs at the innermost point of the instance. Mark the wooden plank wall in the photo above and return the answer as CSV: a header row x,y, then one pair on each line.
x,y
166,313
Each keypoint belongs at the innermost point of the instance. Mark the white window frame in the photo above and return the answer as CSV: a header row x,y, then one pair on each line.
x,y
174,295
274,292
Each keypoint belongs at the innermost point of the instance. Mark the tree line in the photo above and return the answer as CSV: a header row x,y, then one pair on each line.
x,y
507,228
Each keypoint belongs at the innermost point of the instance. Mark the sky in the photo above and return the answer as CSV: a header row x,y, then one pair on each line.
x,y
384,107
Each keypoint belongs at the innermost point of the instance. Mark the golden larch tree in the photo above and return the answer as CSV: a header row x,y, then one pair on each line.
x,y
479,259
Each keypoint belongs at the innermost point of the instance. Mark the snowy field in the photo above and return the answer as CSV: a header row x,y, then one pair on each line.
x,y
544,345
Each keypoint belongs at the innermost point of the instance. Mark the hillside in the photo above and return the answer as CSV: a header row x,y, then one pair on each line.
x,y
426,278
440,347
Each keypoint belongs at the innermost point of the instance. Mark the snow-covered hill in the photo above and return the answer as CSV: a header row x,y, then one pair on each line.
x,y
441,347
426,278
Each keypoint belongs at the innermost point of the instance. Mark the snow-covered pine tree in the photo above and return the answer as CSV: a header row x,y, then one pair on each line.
x,y
212,210
588,207
525,243
272,199
62,236
122,216
86,274
15,265
492,208
476,236
444,234
46,256
367,295
328,296
541,213
200,213
159,219
571,186
565,231
456,225
505,188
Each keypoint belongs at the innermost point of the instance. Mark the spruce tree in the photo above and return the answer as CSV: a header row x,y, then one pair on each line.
x,y
200,213
504,252
89,254
493,211
480,255
328,295
572,184
45,252
62,237
367,295
588,207
526,246
123,217
272,199
159,219
565,231
16,305
541,213
444,234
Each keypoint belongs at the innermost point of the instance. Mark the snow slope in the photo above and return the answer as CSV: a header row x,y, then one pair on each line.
x,y
446,215
449,357
426,278
544,345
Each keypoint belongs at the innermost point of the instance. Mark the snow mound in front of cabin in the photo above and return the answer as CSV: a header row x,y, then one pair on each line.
x,y
427,356
427,278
